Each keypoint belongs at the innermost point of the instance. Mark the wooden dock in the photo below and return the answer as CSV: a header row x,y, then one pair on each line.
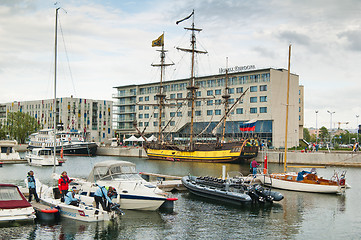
x,y
167,183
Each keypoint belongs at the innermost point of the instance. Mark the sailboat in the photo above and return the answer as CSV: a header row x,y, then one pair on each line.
x,y
218,151
304,181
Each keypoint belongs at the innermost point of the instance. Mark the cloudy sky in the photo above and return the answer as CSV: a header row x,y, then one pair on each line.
x,y
105,43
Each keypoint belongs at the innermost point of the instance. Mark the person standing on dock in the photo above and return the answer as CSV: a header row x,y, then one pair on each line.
x,y
101,196
32,187
254,165
63,184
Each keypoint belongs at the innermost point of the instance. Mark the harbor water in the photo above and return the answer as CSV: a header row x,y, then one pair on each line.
x,y
298,216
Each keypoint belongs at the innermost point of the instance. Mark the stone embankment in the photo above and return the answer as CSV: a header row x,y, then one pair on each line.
x,y
334,158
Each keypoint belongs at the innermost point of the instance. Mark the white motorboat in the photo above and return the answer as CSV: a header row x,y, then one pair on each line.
x,y
133,191
13,205
42,157
8,152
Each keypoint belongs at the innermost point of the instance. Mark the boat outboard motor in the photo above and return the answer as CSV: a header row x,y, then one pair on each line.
x,y
116,208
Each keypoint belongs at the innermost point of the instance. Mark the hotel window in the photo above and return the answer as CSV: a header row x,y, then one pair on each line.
x,y
179,95
239,90
146,98
299,117
209,112
239,110
299,100
198,94
155,107
156,115
140,124
231,101
263,98
209,102
230,90
253,89
140,116
299,92
198,113
146,107
218,101
263,109
155,124
172,123
218,112
210,93
198,103
263,88
253,110
140,99
146,124
218,91
146,115
155,98
179,114
172,96
141,90
172,114
140,107
253,99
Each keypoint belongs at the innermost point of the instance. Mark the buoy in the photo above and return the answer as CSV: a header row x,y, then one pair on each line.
x,y
1,164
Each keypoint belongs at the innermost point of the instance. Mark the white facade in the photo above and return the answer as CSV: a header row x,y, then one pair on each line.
x,y
265,101
93,116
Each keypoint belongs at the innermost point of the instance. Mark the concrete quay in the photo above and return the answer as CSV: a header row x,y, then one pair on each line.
x,y
122,151
334,158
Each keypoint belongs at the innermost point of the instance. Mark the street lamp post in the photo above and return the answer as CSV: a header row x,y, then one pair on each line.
x,y
316,127
330,124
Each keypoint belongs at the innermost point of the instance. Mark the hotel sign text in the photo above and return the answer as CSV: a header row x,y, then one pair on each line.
x,y
237,69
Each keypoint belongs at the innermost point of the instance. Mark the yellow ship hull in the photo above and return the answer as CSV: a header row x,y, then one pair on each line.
x,y
199,156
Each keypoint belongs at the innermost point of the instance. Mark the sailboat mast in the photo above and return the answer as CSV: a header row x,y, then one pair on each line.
x,y
191,85
287,105
225,97
160,95
55,65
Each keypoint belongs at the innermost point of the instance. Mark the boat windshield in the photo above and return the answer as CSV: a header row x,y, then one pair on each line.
x,y
9,193
116,173
45,152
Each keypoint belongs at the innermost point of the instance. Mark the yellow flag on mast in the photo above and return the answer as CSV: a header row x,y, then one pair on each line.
x,y
159,41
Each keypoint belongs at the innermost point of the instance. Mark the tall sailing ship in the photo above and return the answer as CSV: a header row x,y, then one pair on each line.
x,y
216,151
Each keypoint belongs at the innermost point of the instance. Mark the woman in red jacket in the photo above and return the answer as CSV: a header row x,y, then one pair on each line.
x,y
63,184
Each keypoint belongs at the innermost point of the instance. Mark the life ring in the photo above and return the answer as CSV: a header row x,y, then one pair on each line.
x,y
342,181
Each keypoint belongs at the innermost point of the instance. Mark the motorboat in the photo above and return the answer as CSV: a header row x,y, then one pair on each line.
x,y
7,151
305,181
133,191
72,142
42,157
13,205
232,190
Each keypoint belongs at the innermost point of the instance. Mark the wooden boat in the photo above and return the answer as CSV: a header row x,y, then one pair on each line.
x,y
13,205
303,181
310,182
232,191
217,151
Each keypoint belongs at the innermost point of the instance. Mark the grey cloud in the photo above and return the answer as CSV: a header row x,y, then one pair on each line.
x,y
353,39
294,37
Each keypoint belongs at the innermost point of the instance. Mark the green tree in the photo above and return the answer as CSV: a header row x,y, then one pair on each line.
x,y
20,125
2,132
306,134
323,133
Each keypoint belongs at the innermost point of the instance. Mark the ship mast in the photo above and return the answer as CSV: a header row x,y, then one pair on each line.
x,y
55,63
192,88
161,96
287,105
225,97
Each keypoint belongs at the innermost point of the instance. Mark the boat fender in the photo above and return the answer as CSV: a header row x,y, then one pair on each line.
x,y
53,210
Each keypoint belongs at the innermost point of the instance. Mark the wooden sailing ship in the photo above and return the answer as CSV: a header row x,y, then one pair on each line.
x,y
218,151
304,181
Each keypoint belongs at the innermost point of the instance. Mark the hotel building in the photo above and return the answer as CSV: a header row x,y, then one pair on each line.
x,y
264,101
92,116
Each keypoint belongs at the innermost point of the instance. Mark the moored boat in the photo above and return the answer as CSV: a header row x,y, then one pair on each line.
x,y
42,157
133,191
13,205
7,151
232,191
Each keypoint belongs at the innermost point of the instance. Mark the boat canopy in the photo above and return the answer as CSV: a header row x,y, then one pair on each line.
x,y
108,170
11,197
